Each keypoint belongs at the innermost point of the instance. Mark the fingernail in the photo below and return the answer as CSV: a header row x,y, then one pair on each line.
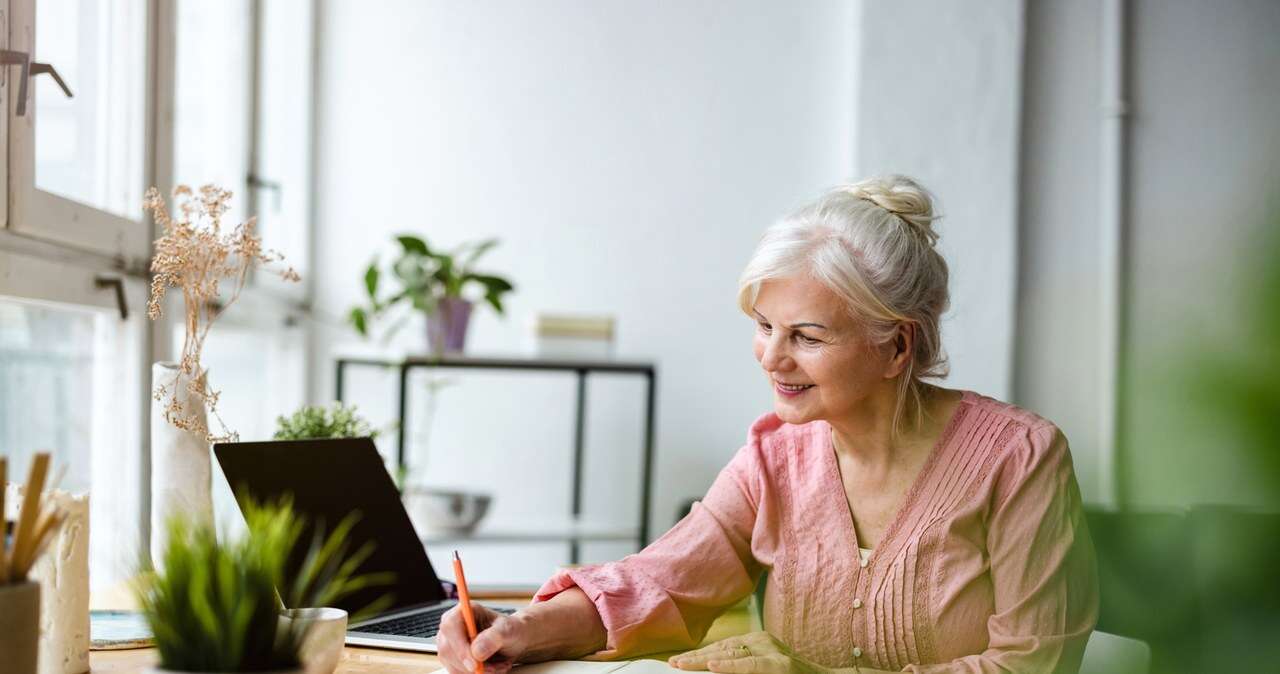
x,y
469,664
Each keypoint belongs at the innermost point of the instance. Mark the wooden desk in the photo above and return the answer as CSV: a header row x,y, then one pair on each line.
x,y
370,660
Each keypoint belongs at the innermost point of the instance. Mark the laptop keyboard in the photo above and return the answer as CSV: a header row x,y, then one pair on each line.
x,y
423,625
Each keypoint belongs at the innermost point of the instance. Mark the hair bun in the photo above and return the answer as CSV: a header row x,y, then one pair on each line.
x,y
903,197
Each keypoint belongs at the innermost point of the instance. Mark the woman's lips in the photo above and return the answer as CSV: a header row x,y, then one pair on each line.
x,y
791,390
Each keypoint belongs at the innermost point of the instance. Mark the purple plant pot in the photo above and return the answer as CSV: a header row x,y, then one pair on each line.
x,y
447,327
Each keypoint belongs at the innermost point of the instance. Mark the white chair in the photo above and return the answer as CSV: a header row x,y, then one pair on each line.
x,y
1114,654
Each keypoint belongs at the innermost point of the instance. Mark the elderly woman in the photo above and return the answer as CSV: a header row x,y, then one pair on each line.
x,y
904,526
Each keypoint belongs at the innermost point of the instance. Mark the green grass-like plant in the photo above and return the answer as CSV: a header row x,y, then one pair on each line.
x,y
213,606
335,421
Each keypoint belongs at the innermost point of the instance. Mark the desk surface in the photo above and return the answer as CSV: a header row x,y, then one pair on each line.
x,y
369,660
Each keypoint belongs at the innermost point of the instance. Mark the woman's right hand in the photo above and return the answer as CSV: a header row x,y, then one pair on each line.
x,y
499,642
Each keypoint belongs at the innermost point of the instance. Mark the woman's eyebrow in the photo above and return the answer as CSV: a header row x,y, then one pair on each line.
x,y
794,325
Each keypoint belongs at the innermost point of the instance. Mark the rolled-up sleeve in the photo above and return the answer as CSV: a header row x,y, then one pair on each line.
x,y
666,596
1043,568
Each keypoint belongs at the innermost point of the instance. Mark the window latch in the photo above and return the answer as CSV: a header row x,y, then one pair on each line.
x,y
21,59
48,69
118,284
9,57
259,183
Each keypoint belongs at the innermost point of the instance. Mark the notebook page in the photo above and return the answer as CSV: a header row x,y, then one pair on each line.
x,y
585,667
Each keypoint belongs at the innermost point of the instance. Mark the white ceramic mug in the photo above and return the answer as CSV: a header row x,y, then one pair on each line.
x,y
326,633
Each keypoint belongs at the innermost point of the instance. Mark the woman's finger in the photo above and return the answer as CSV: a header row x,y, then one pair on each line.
x,y
751,664
453,642
497,667
720,650
493,640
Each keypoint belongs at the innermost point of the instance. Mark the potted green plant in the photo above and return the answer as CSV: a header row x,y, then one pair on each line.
x,y
431,282
312,422
213,605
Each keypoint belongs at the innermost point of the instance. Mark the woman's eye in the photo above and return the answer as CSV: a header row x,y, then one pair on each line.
x,y
805,339
765,327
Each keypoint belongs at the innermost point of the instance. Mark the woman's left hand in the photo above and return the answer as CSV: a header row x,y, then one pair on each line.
x,y
755,653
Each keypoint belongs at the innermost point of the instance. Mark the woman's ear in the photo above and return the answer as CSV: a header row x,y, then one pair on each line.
x,y
900,347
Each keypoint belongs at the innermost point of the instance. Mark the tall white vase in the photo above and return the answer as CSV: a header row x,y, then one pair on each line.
x,y
180,463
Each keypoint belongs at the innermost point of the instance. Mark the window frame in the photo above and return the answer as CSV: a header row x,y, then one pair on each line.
x,y
56,259
41,215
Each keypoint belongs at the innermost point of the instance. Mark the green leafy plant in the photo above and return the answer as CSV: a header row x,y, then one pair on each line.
x,y
213,606
335,421
423,277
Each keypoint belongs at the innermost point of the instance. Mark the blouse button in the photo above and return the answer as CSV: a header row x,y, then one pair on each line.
x,y
857,603
857,652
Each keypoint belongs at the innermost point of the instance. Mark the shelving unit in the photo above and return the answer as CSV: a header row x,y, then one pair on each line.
x,y
536,534
573,531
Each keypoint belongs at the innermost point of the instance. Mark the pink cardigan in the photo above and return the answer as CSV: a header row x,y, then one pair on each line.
x,y
987,567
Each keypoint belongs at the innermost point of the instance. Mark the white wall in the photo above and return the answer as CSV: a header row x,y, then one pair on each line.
x,y
1202,184
1057,368
939,95
628,155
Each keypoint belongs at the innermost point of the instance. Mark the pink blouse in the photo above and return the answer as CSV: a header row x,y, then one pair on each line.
x,y
987,566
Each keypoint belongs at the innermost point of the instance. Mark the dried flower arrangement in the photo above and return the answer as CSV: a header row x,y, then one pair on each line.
x,y
35,527
196,255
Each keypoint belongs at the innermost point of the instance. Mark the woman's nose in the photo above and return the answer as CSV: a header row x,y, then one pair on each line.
x,y
775,357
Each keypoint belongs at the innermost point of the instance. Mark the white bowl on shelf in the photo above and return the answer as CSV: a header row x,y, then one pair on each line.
x,y
445,511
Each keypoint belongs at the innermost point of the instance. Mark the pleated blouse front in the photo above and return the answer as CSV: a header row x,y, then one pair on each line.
x,y
987,565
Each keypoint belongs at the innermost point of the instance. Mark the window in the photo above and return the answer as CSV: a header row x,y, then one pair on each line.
x,y
165,92
76,165
71,383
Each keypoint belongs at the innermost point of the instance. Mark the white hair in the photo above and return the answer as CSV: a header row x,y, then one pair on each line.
x,y
872,243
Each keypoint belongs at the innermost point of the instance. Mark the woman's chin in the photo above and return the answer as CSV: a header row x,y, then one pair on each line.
x,y
791,414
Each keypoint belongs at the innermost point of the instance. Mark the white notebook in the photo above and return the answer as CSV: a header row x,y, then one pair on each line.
x,y
585,667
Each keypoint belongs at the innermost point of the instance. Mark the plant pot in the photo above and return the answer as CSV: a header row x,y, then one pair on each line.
x,y
326,634
447,326
19,626
181,470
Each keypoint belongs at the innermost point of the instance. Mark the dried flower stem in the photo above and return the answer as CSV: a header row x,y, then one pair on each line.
x,y
195,255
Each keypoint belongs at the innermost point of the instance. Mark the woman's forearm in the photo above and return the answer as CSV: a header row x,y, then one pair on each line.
x,y
567,626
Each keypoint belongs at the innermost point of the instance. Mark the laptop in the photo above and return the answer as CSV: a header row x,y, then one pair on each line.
x,y
328,480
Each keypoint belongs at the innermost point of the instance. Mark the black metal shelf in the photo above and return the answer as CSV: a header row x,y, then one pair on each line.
x,y
581,368
535,534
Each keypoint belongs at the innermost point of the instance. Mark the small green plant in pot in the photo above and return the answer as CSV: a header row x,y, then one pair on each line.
x,y
314,422
432,282
213,606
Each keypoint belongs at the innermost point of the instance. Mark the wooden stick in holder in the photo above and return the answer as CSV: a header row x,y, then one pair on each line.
x,y
26,537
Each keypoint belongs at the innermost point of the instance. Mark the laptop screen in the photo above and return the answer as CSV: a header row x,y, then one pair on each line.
x,y
329,479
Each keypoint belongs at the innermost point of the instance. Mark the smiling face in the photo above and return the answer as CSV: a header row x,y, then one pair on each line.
x,y
818,359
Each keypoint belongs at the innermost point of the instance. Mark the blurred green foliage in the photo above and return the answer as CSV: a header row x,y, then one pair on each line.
x,y
213,606
1199,584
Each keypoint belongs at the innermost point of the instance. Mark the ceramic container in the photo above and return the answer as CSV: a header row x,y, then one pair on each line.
x,y
181,467
447,326
442,511
19,626
326,634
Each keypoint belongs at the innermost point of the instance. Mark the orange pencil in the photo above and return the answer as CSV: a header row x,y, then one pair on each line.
x,y
465,598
